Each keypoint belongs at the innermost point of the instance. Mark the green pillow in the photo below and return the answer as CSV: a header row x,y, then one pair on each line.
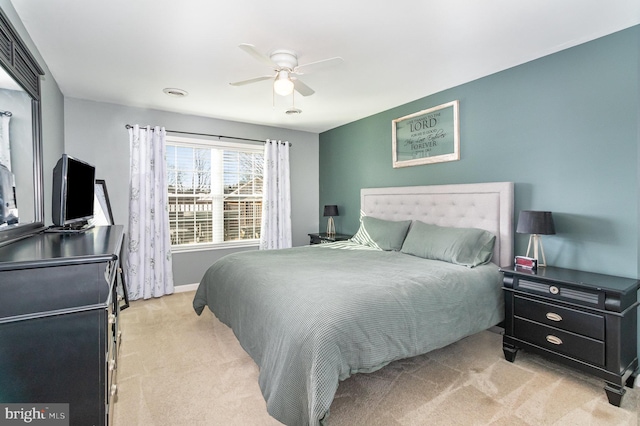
x,y
461,246
381,234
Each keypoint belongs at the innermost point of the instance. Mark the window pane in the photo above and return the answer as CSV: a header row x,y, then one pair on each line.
x,y
215,194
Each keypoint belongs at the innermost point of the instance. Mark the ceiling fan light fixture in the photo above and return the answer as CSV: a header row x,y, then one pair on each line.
x,y
283,85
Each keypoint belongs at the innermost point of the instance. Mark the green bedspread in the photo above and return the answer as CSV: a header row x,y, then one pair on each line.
x,y
311,316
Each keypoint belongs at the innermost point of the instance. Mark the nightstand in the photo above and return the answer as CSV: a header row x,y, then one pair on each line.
x,y
584,320
323,237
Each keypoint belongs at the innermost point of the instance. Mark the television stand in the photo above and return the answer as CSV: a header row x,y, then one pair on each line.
x,y
69,229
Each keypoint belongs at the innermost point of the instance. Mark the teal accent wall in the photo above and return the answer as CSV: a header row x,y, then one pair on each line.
x,y
564,128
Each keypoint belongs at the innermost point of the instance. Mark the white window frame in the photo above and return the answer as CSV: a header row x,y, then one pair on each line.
x,y
201,142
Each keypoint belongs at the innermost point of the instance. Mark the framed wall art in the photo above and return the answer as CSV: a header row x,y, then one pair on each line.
x,y
102,214
426,137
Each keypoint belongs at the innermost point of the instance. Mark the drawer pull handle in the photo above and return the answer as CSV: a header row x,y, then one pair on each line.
x,y
553,316
553,339
554,290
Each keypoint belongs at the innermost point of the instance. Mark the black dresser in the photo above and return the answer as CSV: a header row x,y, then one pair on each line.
x,y
585,320
59,321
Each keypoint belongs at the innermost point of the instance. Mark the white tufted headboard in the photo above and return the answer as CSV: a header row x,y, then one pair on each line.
x,y
486,206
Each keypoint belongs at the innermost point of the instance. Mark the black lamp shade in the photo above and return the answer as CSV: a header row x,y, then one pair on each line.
x,y
331,210
534,222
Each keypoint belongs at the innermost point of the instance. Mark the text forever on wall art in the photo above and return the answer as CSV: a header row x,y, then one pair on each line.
x,y
428,136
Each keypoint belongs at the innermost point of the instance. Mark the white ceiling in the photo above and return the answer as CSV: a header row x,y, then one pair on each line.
x,y
127,51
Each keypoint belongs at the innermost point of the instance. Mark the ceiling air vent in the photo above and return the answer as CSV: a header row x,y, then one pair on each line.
x,y
177,93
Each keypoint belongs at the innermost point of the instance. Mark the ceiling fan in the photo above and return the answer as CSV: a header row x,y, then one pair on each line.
x,y
285,64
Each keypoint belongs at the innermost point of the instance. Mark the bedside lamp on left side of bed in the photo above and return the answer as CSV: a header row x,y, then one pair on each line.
x,y
331,210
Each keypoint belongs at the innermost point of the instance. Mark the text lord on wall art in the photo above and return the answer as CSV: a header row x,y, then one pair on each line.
x,y
428,136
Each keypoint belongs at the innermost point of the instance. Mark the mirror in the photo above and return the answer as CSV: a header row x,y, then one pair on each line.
x,y
17,191
21,194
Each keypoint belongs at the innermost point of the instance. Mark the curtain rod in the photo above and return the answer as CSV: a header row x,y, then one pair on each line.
x,y
129,126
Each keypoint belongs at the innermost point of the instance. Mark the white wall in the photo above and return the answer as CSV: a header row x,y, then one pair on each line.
x,y
95,132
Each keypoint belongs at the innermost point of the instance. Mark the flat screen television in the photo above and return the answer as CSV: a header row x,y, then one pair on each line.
x,y
73,192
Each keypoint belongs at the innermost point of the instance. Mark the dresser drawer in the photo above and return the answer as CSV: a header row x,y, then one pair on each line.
x,y
584,323
584,348
111,270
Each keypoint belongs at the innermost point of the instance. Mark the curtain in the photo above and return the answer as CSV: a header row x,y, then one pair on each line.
x,y
149,271
275,229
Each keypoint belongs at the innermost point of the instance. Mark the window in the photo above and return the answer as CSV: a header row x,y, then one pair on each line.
x,y
214,192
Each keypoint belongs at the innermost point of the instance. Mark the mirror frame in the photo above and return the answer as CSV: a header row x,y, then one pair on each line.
x,y
19,63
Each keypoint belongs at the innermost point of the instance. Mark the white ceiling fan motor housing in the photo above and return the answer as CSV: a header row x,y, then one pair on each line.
x,y
285,59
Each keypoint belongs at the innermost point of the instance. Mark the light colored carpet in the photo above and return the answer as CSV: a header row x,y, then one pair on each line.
x,y
176,368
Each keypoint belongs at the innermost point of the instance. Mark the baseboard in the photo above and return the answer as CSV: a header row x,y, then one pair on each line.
x,y
499,329
185,288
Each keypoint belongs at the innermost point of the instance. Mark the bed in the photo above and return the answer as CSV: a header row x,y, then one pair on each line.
x,y
312,316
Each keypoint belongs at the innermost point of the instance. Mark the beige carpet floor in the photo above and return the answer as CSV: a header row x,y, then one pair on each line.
x,y
176,368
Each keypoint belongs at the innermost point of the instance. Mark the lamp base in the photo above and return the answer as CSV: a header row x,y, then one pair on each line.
x,y
535,242
331,227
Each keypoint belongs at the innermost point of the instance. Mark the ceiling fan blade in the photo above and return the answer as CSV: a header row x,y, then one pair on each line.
x,y
302,88
252,80
251,50
301,69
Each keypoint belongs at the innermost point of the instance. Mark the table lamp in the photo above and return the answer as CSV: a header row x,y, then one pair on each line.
x,y
536,223
331,210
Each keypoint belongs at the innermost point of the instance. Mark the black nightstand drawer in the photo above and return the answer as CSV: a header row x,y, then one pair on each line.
x,y
562,292
573,345
586,324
